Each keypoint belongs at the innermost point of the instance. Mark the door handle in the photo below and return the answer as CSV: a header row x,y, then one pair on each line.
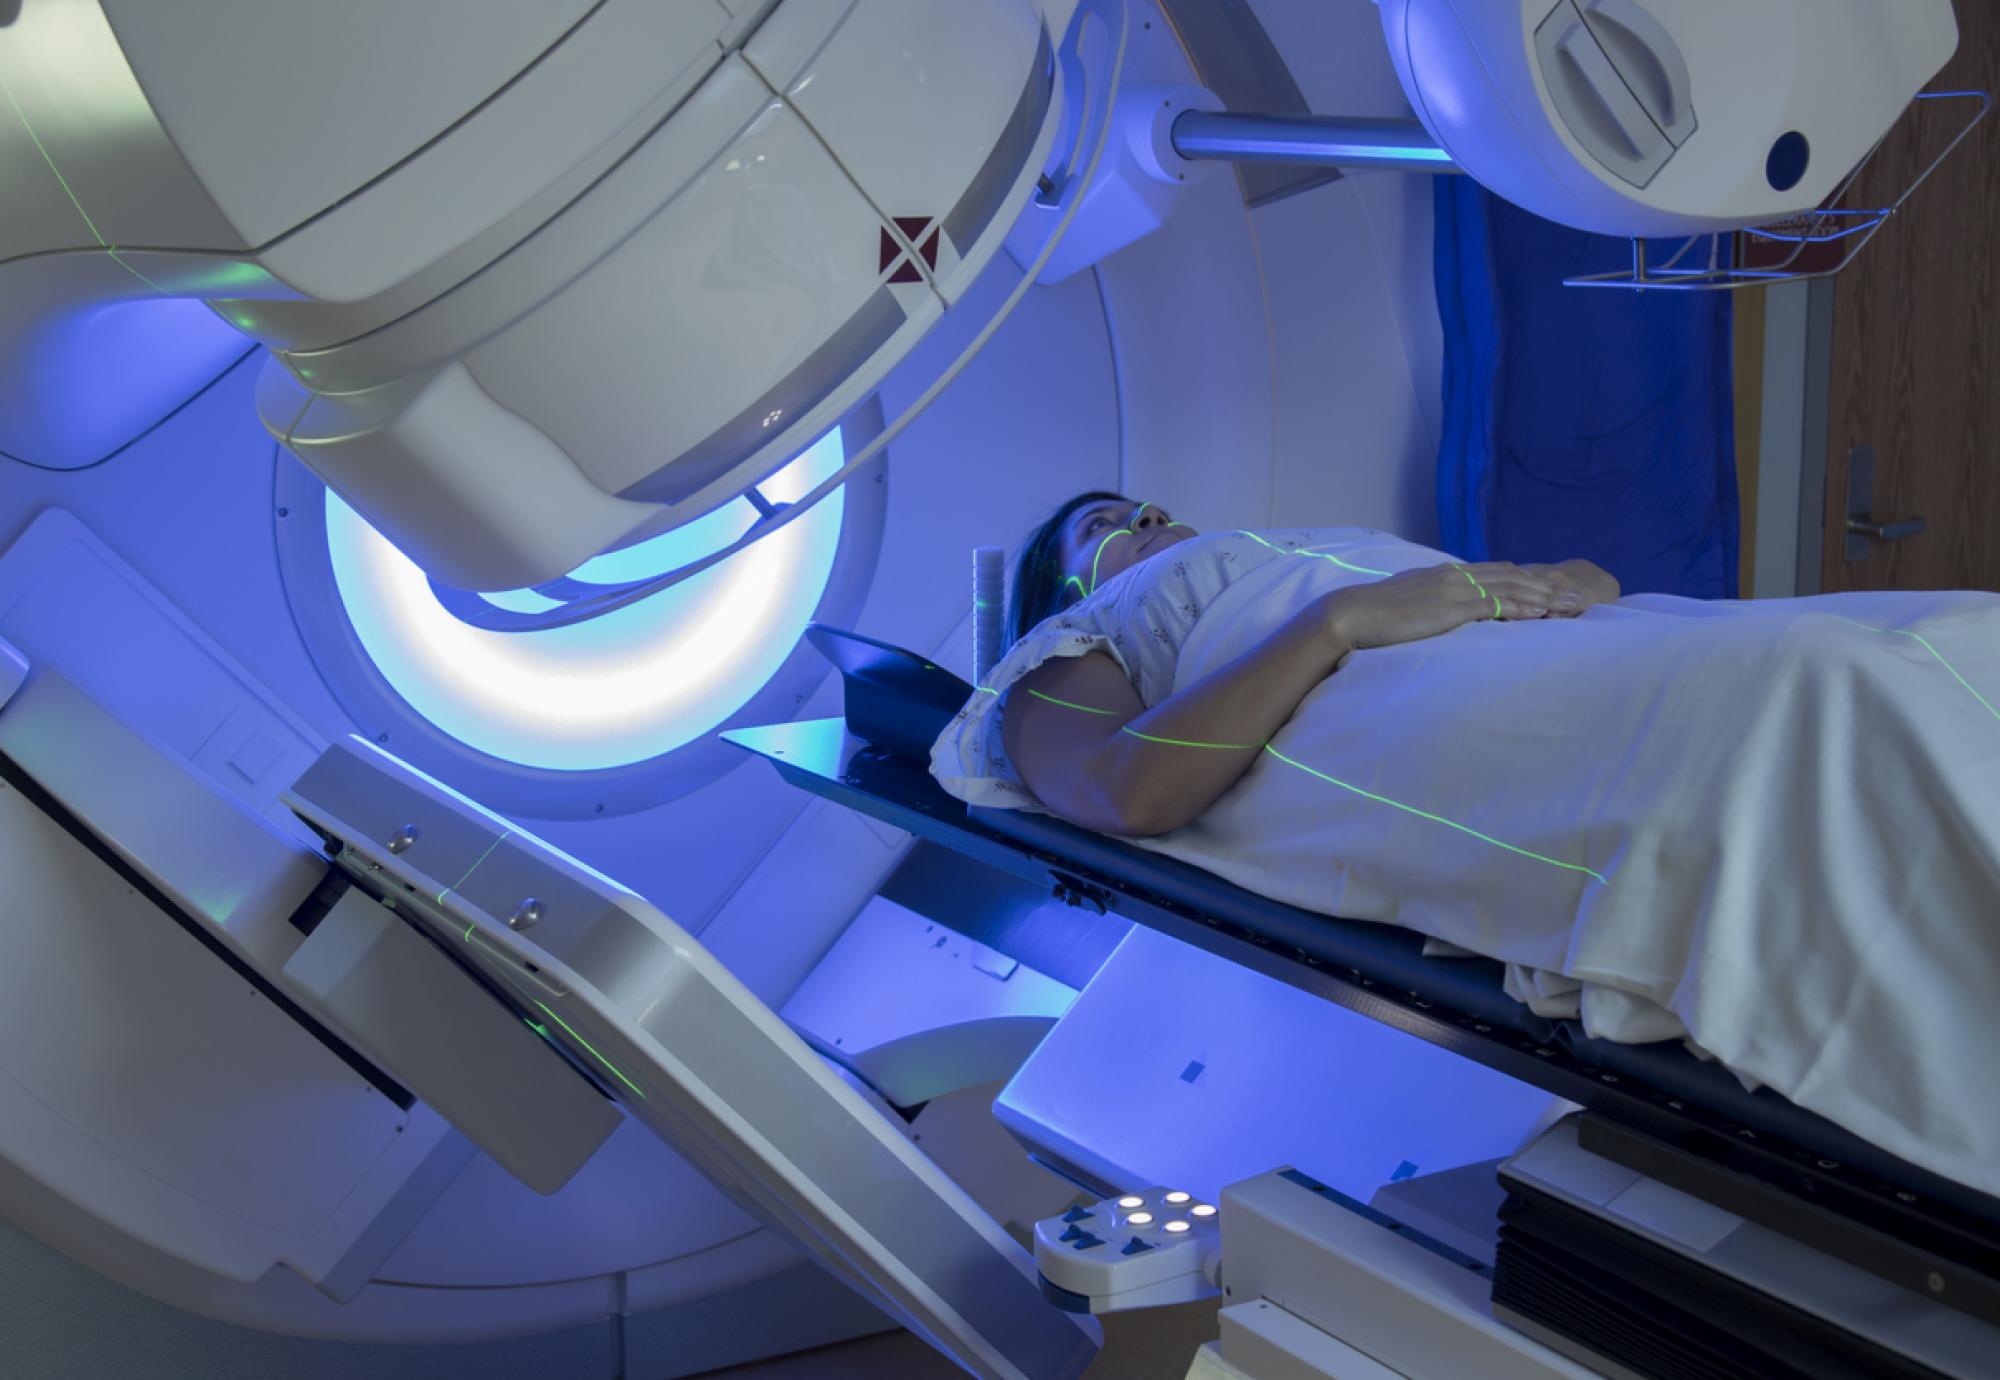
x,y
1861,529
1887,531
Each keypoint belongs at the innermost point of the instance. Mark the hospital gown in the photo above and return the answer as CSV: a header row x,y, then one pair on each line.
x,y
1772,827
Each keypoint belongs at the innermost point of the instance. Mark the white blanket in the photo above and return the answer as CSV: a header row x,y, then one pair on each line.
x,y
1770,826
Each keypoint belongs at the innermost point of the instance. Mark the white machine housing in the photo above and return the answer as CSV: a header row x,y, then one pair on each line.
x,y
555,279
649,1015
1643,118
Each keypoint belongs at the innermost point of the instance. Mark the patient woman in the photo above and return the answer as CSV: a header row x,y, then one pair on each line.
x,y
1104,770
1770,826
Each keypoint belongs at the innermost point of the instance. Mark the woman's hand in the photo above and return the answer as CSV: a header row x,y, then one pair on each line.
x,y
1580,584
1426,603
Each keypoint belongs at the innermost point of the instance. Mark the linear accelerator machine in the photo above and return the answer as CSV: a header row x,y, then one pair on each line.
x,y
429,225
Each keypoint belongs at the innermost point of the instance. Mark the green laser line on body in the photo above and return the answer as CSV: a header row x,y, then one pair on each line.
x,y
1426,814
1316,555
1481,588
1127,728
1925,644
1315,772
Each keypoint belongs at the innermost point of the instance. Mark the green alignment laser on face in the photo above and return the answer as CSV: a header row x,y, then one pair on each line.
x,y
1121,532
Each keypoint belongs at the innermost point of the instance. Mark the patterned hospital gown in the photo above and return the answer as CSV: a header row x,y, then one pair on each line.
x,y
1141,618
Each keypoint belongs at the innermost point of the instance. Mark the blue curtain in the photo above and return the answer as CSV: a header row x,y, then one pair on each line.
x,y
1580,421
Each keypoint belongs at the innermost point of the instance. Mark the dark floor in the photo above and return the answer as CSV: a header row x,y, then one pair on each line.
x,y
1148,1344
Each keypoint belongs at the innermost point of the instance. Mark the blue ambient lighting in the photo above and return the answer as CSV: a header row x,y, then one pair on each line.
x,y
628,686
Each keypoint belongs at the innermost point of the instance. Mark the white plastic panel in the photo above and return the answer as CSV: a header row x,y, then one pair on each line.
x,y
1357,350
13,670
791,908
956,71
919,1010
345,91
590,228
148,1084
627,61
737,283
191,508
69,604
1838,71
1194,363
694,1056
1355,361
211,856
87,161
84,368
1391,1298
1177,1067
404,1006
437,466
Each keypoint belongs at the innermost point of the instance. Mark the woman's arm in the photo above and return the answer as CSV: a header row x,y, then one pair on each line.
x,y
1091,751
1094,754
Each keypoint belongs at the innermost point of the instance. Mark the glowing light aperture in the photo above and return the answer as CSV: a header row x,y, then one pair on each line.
x,y
639,681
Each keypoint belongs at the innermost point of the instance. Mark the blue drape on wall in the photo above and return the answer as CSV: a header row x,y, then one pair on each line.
x,y
1584,422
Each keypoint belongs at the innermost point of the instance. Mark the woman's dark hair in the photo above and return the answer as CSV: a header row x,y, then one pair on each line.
x,y
1038,588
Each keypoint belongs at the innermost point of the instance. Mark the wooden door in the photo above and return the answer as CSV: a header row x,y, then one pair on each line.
x,y
1916,346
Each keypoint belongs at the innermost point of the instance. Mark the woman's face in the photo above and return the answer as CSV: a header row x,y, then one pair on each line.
x,y
1104,539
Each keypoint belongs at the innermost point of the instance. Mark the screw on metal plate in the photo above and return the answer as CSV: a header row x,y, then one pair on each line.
x,y
525,914
405,836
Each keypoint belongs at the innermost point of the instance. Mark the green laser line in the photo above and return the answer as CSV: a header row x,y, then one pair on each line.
x,y
986,690
593,1053
1065,703
1383,799
1316,555
1080,590
1925,643
69,192
112,250
1127,728
22,115
1411,809
1481,588
1121,532
1182,742
469,928
504,836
